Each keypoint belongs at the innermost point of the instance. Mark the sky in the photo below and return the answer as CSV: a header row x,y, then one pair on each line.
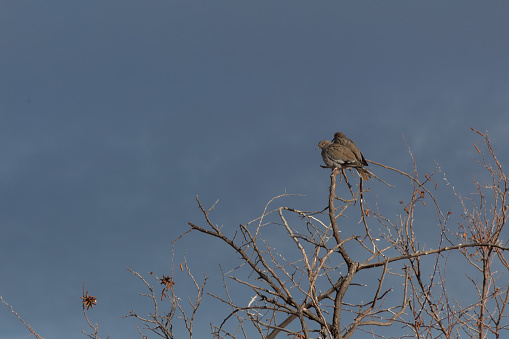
x,y
115,115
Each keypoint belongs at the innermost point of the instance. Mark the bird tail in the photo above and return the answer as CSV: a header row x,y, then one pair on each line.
x,y
364,173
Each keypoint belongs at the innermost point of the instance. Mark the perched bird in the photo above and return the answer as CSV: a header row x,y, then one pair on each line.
x,y
338,155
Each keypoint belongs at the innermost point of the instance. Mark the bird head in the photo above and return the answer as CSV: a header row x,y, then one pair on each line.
x,y
339,135
324,143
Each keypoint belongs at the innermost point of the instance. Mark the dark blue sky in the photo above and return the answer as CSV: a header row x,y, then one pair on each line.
x,y
114,115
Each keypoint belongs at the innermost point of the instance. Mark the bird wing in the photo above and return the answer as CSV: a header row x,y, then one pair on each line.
x,y
341,155
348,143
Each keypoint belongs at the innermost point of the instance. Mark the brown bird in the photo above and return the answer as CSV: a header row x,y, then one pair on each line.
x,y
343,154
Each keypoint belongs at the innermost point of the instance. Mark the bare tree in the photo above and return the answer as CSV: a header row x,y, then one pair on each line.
x,y
315,282
168,308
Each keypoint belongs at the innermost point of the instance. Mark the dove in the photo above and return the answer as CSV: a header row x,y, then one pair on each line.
x,y
339,155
